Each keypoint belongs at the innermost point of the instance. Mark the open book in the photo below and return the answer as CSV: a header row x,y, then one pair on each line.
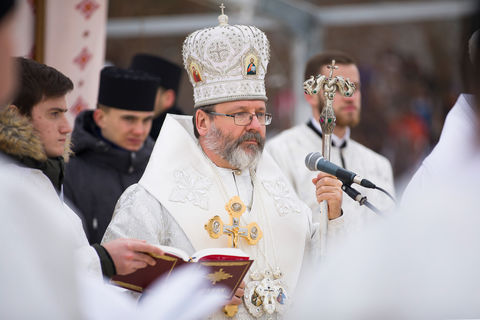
x,y
226,268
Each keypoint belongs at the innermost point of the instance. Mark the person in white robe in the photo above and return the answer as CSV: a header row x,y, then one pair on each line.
x,y
459,133
31,272
290,147
200,164
423,262
46,258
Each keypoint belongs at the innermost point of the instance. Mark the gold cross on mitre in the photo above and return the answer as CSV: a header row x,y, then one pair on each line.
x,y
235,208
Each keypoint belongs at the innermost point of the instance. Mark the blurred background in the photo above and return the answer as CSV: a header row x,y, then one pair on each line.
x,y
409,54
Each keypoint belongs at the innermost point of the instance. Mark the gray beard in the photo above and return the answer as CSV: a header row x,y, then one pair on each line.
x,y
230,150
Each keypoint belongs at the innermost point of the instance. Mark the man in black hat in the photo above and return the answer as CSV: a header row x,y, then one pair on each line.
x,y
111,146
168,75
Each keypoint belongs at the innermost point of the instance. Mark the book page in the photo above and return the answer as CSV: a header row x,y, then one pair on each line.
x,y
179,253
220,254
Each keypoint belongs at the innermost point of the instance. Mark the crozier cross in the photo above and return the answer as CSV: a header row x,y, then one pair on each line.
x,y
235,208
329,86
332,67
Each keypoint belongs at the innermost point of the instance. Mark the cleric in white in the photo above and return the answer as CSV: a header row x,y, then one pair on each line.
x,y
290,148
195,170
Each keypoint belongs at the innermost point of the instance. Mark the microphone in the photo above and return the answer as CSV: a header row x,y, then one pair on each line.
x,y
314,161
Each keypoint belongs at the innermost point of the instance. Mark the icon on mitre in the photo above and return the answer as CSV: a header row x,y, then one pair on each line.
x,y
251,63
195,72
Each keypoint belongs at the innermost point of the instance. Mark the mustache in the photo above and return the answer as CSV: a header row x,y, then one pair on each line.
x,y
252,136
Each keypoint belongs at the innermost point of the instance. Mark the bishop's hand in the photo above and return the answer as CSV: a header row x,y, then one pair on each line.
x,y
237,297
329,188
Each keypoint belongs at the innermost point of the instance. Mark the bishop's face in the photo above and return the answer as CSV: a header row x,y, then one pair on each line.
x,y
347,109
237,146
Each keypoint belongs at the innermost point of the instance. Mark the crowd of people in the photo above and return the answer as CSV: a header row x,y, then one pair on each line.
x,y
140,174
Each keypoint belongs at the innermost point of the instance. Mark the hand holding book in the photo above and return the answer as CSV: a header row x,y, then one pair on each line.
x,y
129,255
226,268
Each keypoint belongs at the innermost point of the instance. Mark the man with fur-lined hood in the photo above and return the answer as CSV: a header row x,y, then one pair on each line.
x,y
33,134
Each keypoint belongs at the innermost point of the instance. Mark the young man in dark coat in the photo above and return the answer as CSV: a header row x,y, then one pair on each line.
x,y
111,146
168,75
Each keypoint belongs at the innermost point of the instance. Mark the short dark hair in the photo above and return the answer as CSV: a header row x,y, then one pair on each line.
x,y
207,108
37,83
316,62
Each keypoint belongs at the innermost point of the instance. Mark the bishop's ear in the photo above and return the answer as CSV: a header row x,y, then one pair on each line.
x,y
202,122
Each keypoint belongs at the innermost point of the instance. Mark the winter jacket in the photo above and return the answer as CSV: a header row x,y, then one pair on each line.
x,y
26,159
98,173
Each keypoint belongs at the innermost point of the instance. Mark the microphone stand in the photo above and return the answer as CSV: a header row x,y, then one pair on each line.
x,y
358,197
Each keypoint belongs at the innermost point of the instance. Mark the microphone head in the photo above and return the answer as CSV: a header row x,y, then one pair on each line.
x,y
311,160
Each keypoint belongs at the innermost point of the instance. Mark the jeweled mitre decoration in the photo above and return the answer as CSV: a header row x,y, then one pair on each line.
x,y
226,63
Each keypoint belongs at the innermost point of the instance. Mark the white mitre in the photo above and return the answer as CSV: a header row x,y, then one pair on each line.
x,y
226,63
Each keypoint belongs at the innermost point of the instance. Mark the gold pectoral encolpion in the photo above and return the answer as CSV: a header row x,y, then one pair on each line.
x,y
235,208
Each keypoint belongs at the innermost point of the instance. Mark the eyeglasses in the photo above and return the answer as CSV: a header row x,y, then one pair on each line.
x,y
245,118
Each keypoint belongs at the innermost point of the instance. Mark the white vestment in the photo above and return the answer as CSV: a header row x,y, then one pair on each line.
x,y
86,257
37,265
45,255
423,262
289,150
458,135
182,189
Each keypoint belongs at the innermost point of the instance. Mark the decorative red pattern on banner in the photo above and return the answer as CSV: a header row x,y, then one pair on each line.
x,y
87,8
79,106
83,58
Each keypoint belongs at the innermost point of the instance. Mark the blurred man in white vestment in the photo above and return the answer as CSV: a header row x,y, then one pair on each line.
x,y
458,134
36,271
200,164
41,279
423,262
290,147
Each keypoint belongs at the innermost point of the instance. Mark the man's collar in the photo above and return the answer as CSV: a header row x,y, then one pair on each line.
x,y
335,140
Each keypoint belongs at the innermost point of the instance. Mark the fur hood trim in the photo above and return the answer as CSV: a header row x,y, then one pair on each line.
x,y
18,138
